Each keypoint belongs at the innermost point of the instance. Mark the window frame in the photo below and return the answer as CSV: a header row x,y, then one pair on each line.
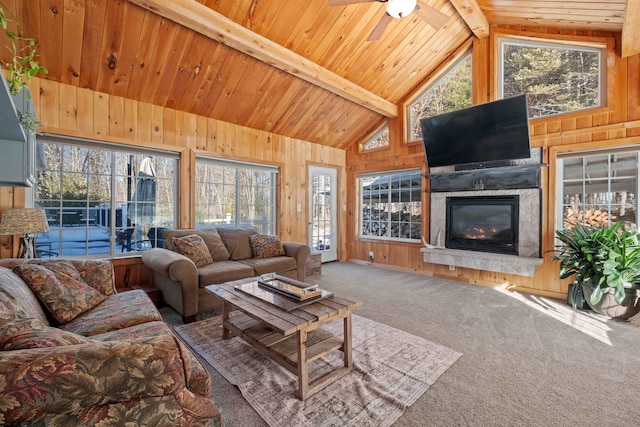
x,y
113,150
375,135
238,165
560,178
603,45
390,175
465,51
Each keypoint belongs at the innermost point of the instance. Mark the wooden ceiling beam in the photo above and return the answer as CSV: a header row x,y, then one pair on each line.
x,y
630,33
199,18
473,15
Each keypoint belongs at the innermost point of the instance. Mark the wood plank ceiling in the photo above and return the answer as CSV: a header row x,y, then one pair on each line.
x,y
331,86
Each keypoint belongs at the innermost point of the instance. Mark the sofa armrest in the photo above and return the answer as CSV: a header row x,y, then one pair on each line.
x,y
40,381
177,278
300,252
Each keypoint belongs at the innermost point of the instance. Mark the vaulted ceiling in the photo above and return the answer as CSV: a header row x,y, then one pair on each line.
x,y
300,68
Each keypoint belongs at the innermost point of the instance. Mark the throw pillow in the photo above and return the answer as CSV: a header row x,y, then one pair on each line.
x,y
31,333
237,242
264,246
63,294
211,238
194,248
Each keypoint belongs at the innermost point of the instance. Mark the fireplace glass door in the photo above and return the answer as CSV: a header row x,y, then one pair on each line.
x,y
485,224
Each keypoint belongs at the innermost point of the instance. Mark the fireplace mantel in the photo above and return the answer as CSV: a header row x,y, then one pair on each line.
x,y
510,264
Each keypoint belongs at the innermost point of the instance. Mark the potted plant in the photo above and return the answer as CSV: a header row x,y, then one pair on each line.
x,y
606,265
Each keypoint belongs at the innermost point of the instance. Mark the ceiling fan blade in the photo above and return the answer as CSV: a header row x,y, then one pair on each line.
x,y
431,16
380,27
346,2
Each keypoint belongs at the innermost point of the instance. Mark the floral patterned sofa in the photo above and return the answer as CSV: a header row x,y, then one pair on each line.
x,y
73,351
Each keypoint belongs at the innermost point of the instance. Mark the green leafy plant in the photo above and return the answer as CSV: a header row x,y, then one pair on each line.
x,y
602,258
24,63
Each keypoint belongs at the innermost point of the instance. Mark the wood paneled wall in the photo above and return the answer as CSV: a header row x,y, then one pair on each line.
x,y
616,125
70,111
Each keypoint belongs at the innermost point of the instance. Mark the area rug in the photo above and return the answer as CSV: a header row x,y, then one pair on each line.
x,y
391,370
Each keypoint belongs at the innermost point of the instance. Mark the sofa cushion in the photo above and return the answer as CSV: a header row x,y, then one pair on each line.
x,y
263,246
59,287
17,300
98,274
223,271
279,264
32,333
211,238
118,311
237,242
193,247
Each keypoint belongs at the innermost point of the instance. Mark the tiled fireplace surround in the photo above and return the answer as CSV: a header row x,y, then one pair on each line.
x,y
528,258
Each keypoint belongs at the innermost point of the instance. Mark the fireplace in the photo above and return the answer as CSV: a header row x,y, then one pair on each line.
x,y
483,223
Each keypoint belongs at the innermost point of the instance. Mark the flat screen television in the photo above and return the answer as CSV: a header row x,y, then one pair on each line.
x,y
495,131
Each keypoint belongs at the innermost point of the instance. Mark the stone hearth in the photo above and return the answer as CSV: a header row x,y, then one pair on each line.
x,y
529,219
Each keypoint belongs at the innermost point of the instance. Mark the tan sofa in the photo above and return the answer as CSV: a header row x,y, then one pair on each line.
x,y
73,351
182,283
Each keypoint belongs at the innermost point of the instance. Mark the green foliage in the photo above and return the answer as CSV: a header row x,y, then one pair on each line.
x,y
603,258
556,80
451,92
24,63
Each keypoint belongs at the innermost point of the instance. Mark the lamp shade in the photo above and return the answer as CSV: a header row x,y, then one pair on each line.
x,y
400,8
23,221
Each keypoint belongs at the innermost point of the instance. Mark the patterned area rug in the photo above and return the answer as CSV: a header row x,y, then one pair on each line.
x,y
391,370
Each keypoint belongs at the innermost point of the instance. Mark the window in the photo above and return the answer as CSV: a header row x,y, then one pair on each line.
x,y
101,200
453,91
234,194
379,140
391,205
598,189
557,78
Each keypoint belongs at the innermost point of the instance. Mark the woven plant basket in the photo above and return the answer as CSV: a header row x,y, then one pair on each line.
x,y
607,306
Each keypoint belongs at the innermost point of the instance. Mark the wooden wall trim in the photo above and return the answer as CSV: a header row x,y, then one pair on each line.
x,y
630,33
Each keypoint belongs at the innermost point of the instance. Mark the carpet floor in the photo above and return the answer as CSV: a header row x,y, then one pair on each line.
x,y
391,370
528,360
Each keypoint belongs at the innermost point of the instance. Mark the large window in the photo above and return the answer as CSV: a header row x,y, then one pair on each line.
x,y
557,78
598,189
453,91
391,205
233,194
102,200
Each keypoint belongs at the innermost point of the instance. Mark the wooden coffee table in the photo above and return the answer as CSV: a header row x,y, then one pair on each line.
x,y
292,339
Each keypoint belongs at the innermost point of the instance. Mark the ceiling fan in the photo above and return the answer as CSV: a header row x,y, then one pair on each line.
x,y
400,9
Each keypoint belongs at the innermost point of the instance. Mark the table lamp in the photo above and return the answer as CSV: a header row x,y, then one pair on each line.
x,y
27,221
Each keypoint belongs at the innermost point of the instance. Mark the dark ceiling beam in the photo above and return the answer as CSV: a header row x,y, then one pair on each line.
x,y
201,19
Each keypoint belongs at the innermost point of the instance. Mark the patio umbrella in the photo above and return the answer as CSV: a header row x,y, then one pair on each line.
x,y
142,208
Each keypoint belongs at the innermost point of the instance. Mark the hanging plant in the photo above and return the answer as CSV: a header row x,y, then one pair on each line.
x,y
24,63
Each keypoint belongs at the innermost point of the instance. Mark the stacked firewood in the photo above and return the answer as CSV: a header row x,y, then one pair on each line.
x,y
594,218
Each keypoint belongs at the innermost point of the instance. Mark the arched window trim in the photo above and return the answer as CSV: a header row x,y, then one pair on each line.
x,y
463,53
375,135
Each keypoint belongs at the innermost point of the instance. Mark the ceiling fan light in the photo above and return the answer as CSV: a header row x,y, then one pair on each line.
x,y
400,8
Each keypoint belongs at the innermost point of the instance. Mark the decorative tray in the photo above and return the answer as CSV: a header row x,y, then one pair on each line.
x,y
285,293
